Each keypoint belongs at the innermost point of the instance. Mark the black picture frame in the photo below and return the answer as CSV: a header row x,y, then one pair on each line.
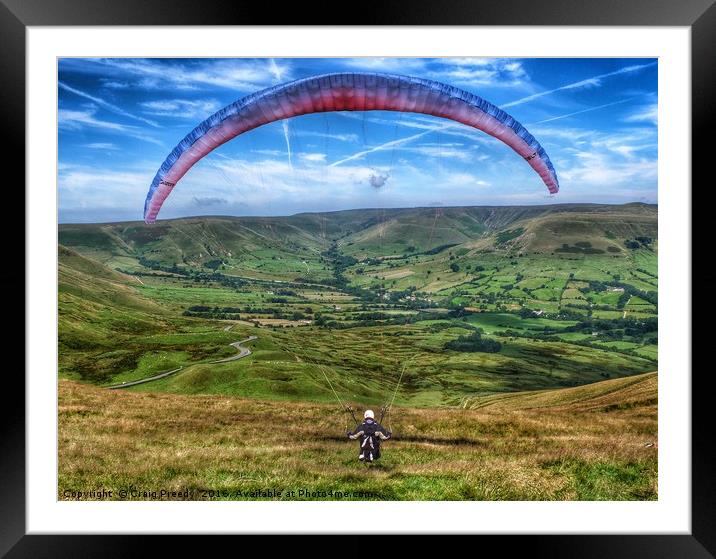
x,y
699,15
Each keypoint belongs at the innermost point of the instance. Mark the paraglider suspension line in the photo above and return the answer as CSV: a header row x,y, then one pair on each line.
x,y
345,408
387,409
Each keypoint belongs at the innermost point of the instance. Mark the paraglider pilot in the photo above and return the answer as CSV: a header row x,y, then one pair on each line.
x,y
370,434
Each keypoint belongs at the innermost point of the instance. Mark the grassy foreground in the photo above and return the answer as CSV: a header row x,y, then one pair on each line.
x,y
594,442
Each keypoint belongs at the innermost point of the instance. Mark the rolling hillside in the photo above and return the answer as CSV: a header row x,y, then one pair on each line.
x,y
638,391
217,447
238,243
97,303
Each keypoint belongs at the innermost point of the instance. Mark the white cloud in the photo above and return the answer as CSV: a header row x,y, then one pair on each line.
x,y
463,179
182,108
599,163
390,64
327,136
597,168
626,142
101,145
313,157
76,120
236,74
114,84
465,72
105,104
87,187
271,187
648,113
481,72
269,152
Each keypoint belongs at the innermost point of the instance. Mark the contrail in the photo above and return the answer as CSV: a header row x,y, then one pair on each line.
x,y
594,80
284,123
106,105
580,112
390,144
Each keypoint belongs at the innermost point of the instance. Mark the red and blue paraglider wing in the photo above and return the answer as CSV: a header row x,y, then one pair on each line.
x,y
345,92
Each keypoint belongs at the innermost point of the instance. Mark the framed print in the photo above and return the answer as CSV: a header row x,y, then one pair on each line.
x,y
280,273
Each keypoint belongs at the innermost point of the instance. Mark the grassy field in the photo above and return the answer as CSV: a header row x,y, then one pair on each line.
x,y
569,444
366,303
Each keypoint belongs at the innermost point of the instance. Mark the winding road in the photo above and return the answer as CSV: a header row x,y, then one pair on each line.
x,y
243,352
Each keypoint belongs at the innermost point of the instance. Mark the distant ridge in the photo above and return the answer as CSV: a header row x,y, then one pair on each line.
x,y
195,242
537,207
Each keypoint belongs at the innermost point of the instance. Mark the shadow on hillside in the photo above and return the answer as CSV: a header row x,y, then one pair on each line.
x,y
457,441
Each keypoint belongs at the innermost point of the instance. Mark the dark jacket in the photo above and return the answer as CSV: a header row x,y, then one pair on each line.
x,y
370,433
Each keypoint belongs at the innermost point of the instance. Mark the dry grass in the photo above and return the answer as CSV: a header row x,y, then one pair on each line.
x,y
621,393
506,450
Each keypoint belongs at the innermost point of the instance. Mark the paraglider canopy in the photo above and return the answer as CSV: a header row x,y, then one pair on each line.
x,y
345,92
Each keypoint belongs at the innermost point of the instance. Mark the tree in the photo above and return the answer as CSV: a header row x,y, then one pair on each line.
x,y
474,342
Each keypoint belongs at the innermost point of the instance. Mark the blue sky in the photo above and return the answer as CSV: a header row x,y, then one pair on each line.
x,y
119,118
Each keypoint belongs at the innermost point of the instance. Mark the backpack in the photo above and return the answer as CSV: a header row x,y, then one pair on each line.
x,y
369,442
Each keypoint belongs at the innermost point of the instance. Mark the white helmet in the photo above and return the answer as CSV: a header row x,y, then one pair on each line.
x,y
368,414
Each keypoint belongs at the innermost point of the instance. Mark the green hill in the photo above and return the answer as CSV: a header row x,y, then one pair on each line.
x,y
242,242
637,391
90,280
98,310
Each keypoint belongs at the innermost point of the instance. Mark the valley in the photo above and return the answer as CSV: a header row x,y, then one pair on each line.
x,y
569,293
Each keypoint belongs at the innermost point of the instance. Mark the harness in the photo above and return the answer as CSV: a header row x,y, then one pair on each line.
x,y
370,443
